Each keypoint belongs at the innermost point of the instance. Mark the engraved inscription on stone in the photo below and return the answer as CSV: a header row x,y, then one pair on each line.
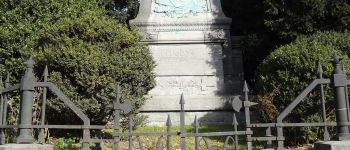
x,y
179,8
189,85
192,59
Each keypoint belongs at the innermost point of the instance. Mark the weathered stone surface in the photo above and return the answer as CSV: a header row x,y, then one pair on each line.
x,y
204,118
193,103
188,59
190,42
26,147
333,145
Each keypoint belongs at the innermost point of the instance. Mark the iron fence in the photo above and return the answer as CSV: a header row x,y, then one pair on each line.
x,y
25,126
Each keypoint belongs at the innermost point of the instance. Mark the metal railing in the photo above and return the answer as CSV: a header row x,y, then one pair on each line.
x,y
25,125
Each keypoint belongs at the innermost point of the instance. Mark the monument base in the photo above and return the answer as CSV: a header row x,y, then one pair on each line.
x,y
333,145
208,109
26,147
205,118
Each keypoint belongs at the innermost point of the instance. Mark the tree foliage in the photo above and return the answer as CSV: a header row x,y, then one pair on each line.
x,y
268,24
122,10
248,21
286,72
290,18
85,49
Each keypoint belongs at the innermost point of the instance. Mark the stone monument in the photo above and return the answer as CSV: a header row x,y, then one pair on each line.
x,y
190,42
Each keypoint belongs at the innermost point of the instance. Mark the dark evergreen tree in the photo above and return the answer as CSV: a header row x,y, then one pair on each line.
x,y
85,49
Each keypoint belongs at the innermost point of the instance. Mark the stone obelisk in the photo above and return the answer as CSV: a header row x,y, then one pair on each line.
x,y
190,42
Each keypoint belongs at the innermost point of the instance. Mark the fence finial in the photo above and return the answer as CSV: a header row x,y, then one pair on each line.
x,y
168,121
1,83
27,88
182,99
117,92
196,122
46,72
7,80
234,121
336,59
30,62
245,87
319,68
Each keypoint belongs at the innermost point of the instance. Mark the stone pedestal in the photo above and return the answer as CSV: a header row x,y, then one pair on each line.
x,y
26,147
333,145
190,42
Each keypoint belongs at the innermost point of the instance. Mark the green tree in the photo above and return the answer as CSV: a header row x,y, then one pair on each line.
x,y
290,18
122,10
286,72
248,21
268,24
85,49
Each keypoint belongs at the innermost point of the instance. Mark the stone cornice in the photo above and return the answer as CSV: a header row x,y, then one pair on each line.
x,y
207,36
213,19
221,21
182,28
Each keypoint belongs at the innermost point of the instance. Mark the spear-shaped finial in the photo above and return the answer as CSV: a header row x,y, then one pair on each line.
x,y
168,130
245,87
116,101
196,123
182,99
234,121
336,59
46,72
30,62
168,121
7,80
1,83
319,70
117,88
182,122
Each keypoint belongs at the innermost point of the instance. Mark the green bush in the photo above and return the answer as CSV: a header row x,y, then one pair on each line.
x,y
65,143
86,51
286,72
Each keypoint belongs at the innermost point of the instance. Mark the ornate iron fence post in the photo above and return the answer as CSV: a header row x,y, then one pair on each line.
x,y
268,134
27,95
4,108
339,81
119,108
236,105
130,133
182,123
7,84
235,124
326,136
2,134
168,133
346,95
41,136
196,137
247,104
116,104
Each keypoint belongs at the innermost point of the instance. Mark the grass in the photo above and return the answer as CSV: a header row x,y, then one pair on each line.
x,y
149,142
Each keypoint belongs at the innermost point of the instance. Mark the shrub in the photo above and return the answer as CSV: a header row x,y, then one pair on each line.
x,y
85,49
289,69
